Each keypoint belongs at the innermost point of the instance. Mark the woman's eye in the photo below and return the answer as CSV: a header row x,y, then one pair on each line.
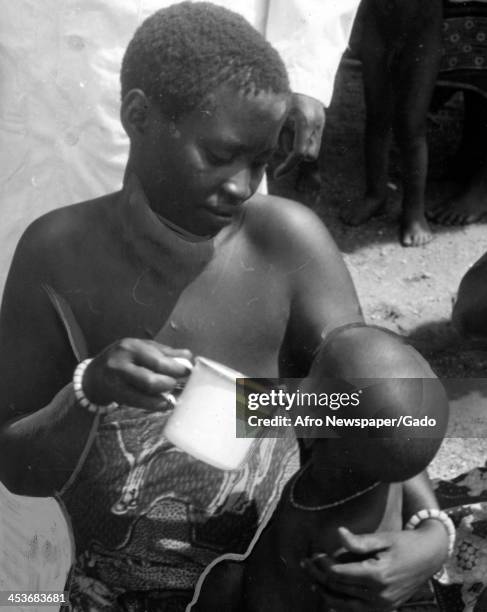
x,y
218,160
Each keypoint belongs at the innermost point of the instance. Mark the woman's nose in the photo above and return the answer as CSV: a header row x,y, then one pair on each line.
x,y
241,185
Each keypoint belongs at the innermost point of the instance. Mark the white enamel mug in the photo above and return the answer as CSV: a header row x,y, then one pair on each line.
x,y
203,422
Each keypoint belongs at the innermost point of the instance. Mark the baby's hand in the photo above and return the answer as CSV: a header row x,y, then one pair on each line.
x,y
306,119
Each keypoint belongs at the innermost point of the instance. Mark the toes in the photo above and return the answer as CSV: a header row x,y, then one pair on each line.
x,y
407,240
444,214
453,218
415,237
471,219
435,213
448,217
416,241
452,214
441,215
425,238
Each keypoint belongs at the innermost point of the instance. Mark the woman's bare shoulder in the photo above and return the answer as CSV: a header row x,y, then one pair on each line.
x,y
63,227
58,243
278,211
286,227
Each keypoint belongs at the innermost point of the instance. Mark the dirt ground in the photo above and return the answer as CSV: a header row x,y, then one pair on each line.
x,y
408,290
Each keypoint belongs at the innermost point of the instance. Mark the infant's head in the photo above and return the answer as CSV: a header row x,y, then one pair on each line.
x,y
396,385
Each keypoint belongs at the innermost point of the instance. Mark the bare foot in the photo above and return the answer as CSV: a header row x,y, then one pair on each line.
x,y
370,207
415,230
469,207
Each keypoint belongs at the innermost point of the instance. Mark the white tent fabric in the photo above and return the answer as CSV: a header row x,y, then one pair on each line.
x,y
35,546
60,136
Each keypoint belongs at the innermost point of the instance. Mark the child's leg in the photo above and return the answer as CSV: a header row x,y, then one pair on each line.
x,y
415,75
375,56
471,152
471,204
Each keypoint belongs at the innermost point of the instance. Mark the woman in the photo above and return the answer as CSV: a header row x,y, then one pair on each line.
x,y
184,260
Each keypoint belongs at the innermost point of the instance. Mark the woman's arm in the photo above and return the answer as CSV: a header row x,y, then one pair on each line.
x,y
41,438
400,562
418,494
36,446
323,296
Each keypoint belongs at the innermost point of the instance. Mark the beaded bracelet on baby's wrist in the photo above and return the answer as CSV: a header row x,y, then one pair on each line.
x,y
438,515
79,393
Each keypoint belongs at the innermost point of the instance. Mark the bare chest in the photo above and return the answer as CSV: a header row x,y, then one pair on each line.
x,y
232,307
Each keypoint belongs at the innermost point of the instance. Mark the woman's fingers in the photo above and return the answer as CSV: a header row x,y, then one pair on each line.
x,y
343,596
357,581
161,359
356,585
322,578
147,381
398,563
136,399
364,571
170,351
134,370
364,544
345,576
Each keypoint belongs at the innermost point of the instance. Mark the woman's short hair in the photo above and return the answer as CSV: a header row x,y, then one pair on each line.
x,y
182,53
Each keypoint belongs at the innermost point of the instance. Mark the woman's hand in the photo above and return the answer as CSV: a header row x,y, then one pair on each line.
x,y
134,372
398,564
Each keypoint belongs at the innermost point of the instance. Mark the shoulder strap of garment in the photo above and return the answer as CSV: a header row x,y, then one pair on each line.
x,y
70,324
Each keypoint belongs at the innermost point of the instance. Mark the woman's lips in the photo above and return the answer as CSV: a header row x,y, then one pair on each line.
x,y
224,211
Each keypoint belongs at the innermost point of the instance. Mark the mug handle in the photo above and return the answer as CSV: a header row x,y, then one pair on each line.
x,y
167,395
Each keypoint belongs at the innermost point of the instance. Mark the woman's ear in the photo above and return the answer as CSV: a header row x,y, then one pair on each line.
x,y
134,113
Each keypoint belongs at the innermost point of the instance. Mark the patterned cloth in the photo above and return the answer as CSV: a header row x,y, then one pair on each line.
x,y
463,585
146,516
464,61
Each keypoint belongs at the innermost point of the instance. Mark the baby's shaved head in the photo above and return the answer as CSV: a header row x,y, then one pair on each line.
x,y
396,383
372,352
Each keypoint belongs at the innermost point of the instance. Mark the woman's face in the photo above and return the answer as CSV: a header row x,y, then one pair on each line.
x,y
199,170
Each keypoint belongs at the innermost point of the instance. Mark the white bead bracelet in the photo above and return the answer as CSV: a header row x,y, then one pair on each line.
x,y
81,398
438,515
